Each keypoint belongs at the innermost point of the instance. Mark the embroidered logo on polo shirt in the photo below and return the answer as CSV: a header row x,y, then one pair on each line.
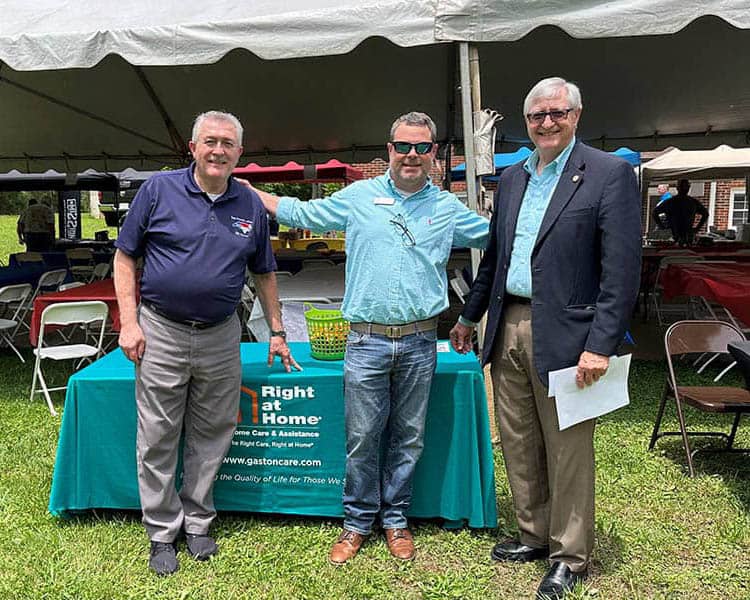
x,y
242,227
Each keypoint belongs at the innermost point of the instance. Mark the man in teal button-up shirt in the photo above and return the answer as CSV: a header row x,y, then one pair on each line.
x,y
399,232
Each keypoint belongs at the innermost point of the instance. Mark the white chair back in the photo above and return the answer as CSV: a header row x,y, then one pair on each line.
x,y
50,281
29,257
69,286
460,287
100,271
62,314
15,297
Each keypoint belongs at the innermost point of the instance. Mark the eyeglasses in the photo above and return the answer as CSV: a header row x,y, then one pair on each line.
x,y
407,237
405,147
556,115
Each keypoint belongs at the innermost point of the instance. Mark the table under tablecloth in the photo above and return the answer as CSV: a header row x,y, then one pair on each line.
x,y
288,452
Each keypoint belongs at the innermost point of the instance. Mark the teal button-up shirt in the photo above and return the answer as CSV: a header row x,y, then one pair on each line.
x,y
533,206
397,248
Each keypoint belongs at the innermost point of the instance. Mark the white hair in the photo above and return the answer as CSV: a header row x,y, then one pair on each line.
x,y
549,88
217,115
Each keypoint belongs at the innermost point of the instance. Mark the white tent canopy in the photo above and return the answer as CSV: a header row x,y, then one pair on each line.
x,y
723,162
99,84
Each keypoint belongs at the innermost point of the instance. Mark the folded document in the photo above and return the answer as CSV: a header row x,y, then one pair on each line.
x,y
575,405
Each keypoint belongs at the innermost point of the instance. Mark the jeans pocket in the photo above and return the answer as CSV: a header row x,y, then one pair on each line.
x,y
428,336
354,338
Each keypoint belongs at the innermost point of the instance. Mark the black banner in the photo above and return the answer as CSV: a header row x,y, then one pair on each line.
x,y
69,204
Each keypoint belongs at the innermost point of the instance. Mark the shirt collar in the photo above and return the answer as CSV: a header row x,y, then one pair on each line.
x,y
394,189
192,186
557,165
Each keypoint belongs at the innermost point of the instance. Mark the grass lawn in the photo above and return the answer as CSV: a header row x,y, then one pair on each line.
x,y
9,239
659,533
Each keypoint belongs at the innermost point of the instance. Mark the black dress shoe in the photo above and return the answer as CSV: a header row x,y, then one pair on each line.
x,y
515,551
163,558
201,546
558,581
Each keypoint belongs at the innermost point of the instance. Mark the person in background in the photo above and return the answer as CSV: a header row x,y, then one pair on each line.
x,y
197,231
399,232
36,227
678,214
559,282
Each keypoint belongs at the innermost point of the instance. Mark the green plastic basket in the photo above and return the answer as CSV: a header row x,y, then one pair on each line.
x,y
327,331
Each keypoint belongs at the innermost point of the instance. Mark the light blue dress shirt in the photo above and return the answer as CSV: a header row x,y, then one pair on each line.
x,y
533,206
397,248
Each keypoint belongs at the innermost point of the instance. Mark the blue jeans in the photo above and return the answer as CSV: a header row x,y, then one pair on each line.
x,y
386,390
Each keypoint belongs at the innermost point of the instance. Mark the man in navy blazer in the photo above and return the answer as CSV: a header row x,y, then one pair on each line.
x,y
558,281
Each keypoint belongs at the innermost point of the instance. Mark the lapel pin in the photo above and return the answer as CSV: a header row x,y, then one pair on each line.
x,y
576,178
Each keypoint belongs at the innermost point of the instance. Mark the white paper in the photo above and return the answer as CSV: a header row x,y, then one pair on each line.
x,y
575,405
443,346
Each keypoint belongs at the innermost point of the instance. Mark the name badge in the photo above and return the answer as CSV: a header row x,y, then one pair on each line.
x,y
384,201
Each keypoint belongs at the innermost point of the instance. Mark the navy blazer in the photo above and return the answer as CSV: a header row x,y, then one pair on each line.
x,y
585,265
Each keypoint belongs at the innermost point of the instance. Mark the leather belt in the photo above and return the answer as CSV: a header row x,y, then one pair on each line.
x,y
185,322
511,299
395,331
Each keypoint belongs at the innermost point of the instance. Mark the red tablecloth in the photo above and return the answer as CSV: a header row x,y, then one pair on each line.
x,y
98,290
728,284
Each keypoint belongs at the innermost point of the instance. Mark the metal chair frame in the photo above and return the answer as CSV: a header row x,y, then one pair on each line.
x,y
64,314
692,337
14,295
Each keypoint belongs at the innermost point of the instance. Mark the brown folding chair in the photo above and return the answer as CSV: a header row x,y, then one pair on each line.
x,y
694,337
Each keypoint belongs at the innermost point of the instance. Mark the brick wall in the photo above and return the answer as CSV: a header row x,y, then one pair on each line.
x,y
721,209
437,173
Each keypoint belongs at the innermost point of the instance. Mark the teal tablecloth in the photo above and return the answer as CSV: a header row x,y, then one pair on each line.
x,y
288,453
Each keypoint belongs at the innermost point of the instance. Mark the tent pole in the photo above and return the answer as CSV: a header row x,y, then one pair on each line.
x,y
470,101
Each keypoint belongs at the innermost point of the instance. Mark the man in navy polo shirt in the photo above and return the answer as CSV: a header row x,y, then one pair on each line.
x,y
196,230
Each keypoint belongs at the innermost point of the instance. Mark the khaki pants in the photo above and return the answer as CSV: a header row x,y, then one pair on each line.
x,y
187,380
551,472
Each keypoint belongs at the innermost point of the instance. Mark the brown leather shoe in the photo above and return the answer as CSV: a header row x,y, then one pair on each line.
x,y
400,543
346,547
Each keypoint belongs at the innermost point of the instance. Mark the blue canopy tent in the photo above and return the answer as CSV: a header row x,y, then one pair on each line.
x,y
506,159
502,160
633,157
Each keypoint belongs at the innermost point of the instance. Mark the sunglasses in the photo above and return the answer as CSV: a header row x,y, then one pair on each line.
x,y
556,115
407,237
405,147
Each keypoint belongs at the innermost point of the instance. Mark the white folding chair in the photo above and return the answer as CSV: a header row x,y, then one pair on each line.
x,y
63,314
69,286
284,274
460,287
100,271
246,305
13,297
80,263
28,257
50,281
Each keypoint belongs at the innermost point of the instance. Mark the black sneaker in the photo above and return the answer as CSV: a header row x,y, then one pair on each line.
x,y
163,558
201,546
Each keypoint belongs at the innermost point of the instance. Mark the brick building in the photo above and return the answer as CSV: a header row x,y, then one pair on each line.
x,y
726,200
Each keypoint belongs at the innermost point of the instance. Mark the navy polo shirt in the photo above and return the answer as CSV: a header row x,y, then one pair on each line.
x,y
195,251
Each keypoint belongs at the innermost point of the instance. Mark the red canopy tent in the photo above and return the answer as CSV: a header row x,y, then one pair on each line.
x,y
329,172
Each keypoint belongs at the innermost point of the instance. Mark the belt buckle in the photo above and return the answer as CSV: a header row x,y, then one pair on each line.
x,y
393,331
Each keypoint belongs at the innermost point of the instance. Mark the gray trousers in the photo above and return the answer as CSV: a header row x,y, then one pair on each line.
x,y
187,377
550,472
